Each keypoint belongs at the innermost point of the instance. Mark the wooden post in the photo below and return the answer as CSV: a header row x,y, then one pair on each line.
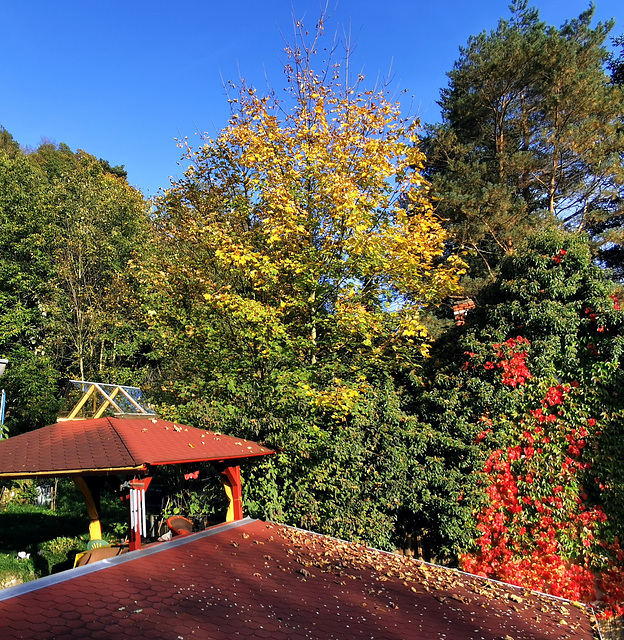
x,y
90,489
231,480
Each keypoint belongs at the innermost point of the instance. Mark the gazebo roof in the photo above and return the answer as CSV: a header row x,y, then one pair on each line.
x,y
116,446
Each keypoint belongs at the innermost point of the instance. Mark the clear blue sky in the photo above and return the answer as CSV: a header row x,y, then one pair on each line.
x,y
122,80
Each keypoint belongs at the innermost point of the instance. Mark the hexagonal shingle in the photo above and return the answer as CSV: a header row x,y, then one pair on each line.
x,y
113,443
283,583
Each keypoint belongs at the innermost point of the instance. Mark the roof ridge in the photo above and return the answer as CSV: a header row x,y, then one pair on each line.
x,y
123,442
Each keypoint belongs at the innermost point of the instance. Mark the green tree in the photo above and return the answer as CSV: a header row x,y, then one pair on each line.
x,y
530,136
7,143
69,306
100,226
616,64
293,262
26,269
53,159
610,227
562,312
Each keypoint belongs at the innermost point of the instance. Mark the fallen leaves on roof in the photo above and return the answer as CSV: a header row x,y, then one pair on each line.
x,y
349,561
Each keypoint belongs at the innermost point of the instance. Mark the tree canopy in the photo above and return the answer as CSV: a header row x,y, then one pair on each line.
x,y
531,136
294,260
282,290
69,229
529,393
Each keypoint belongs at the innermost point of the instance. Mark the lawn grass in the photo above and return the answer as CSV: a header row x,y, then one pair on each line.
x,y
14,570
50,537
30,529
23,527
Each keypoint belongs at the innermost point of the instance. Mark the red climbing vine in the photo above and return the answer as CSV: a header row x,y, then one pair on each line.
x,y
537,528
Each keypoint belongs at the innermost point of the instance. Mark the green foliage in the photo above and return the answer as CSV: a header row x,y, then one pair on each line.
x,y
100,227
196,499
22,492
29,528
551,294
25,265
117,170
53,160
291,266
70,504
7,143
59,553
52,538
25,275
31,384
24,526
69,227
15,570
349,477
616,64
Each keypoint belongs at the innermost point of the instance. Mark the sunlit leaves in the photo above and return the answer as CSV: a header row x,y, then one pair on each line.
x,y
69,226
531,387
531,137
291,266
307,222
100,226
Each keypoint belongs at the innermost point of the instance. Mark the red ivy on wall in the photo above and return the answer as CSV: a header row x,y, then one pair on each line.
x,y
537,529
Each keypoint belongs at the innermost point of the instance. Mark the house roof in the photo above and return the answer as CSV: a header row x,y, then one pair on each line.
x,y
115,445
252,579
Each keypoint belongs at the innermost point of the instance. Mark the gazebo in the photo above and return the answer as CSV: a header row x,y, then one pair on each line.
x,y
88,450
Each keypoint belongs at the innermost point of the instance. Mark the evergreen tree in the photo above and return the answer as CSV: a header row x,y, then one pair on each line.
x,y
616,64
610,227
530,137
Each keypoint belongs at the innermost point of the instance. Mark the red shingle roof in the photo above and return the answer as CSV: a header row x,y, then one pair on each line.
x,y
256,580
114,444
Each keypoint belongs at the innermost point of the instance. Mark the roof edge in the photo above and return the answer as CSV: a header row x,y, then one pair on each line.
x,y
440,566
216,459
73,472
70,574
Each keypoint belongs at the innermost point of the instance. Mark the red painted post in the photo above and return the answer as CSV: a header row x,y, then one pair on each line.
x,y
233,478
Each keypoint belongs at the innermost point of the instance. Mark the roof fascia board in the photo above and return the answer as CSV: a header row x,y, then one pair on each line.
x,y
236,459
75,472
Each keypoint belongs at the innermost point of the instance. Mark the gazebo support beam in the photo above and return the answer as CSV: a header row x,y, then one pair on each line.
x,y
231,480
90,489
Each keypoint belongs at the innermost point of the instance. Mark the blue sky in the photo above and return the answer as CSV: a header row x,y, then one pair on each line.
x,y
123,80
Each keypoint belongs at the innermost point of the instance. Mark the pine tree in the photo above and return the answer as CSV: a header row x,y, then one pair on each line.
x,y
530,137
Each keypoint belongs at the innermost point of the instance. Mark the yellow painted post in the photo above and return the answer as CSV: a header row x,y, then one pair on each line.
x,y
231,481
95,526
229,517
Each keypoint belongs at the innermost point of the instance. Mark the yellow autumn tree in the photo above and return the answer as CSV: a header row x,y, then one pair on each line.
x,y
304,233
293,261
